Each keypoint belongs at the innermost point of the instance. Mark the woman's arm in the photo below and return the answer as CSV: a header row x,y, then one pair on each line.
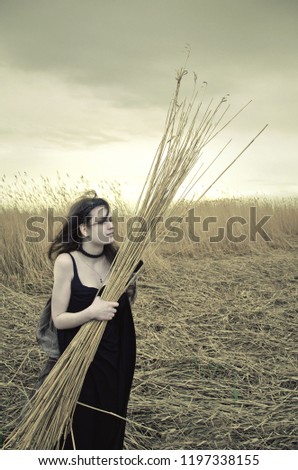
x,y
98,310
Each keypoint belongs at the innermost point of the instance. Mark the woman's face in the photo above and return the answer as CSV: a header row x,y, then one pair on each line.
x,y
100,229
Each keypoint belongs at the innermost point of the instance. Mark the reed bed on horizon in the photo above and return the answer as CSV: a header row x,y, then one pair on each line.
x,y
24,260
49,413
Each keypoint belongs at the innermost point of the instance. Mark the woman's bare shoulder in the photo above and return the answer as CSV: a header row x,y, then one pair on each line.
x,y
63,261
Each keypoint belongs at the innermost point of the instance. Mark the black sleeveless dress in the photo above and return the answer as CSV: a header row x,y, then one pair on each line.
x,y
109,378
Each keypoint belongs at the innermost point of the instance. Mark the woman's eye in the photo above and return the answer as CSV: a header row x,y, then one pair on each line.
x,y
104,220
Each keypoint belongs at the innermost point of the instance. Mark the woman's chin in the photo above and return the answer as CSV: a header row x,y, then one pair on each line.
x,y
111,239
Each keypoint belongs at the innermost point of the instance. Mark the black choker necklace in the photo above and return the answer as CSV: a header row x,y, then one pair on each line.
x,y
89,254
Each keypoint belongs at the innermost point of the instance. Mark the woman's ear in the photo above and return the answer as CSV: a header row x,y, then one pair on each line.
x,y
83,230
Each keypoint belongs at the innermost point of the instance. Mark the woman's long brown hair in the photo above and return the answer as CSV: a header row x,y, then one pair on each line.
x,y
69,237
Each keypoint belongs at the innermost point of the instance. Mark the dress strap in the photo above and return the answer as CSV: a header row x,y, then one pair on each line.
x,y
75,269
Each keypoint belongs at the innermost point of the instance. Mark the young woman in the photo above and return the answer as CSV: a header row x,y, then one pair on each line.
x,y
83,252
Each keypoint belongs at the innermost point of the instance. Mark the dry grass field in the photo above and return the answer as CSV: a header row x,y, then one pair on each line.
x,y
216,328
217,354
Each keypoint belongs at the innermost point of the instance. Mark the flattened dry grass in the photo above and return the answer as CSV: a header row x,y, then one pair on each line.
x,y
216,353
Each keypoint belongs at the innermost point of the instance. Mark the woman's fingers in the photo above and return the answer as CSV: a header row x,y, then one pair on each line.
x,y
105,310
114,304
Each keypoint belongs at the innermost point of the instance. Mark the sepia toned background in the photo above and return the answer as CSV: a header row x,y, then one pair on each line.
x,y
85,87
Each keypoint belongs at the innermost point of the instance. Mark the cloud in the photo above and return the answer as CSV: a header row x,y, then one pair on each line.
x,y
79,76
134,47
40,110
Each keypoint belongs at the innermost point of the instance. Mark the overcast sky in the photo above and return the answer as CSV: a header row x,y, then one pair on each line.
x,y
85,85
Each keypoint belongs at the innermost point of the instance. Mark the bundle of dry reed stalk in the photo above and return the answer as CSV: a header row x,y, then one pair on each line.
x,y
49,413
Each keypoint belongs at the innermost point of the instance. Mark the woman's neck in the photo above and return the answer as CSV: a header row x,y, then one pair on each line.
x,y
91,251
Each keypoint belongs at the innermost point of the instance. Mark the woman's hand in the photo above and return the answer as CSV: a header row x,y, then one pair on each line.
x,y
102,309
